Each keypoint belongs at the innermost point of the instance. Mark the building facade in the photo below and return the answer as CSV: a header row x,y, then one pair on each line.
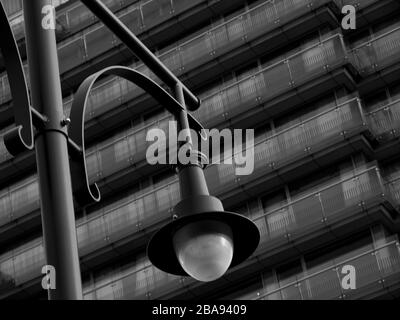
x,y
325,106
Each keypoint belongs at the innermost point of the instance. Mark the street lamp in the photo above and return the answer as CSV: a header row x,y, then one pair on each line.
x,y
201,241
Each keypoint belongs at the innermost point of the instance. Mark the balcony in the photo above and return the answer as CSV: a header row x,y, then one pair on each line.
x,y
377,60
339,128
377,271
385,126
275,80
342,207
248,98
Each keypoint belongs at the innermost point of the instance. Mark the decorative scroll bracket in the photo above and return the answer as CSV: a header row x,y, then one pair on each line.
x,y
20,138
77,127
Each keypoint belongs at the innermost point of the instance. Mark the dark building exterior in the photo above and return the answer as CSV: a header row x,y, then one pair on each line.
x,y
325,106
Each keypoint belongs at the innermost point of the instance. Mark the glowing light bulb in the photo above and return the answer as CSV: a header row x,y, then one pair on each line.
x,y
204,249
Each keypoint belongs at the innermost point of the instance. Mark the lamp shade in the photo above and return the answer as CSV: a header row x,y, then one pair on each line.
x,y
220,231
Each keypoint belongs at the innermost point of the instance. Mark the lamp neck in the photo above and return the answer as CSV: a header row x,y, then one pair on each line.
x,y
192,181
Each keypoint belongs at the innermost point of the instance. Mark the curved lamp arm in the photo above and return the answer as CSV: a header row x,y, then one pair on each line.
x,y
20,138
76,129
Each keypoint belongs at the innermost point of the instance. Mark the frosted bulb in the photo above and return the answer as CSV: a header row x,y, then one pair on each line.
x,y
204,249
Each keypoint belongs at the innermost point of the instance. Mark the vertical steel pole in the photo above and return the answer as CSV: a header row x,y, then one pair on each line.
x,y
57,207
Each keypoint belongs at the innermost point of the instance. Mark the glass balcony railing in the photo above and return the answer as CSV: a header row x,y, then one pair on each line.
x,y
149,14
323,207
127,217
186,56
393,184
291,144
146,283
374,269
276,151
274,80
216,108
245,27
19,200
318,208
378,53
385,122
29,262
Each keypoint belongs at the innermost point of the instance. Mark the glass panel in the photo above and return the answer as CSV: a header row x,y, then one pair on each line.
x,y
161,283
385,122
197,51
28,264
104,97
323,286
277,78
123,220
93,166
172,60
378,53
71,55
4,155
156,11
212,110
5,208
133,20
387,48
79,15
182,5
135,286
288,9
7,276
92,235
99,41
367,273
263,17
114,157
25,199
6,94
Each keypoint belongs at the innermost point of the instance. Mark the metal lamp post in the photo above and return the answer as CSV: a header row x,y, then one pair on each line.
x,y
57,139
